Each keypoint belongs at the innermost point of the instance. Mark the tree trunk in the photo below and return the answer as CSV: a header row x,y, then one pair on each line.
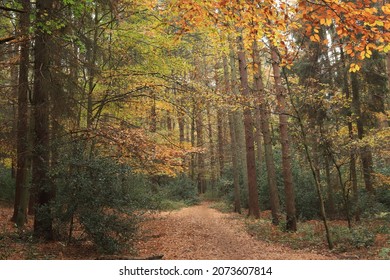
x,y
43,219
265,127
253,197
91,45
236,184
192,169
238,124
330,189
284,139
233,143
181,123
221,158
211,148
200,144
352,156
153,115
22,189
365,151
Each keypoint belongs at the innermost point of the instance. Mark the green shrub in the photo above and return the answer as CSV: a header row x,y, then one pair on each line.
x,y
7,184
384,253
358,237
100,195
180,188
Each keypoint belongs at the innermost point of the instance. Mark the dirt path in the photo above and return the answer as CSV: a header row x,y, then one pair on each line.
x,y
199,232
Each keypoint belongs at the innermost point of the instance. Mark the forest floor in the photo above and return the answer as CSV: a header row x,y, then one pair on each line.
x,y
195,233
200,232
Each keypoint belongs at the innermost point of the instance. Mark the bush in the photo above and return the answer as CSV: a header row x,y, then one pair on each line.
x,y
358,237
7,184
100,195
180,188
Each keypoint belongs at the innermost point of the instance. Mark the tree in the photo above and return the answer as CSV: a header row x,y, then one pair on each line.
x,y
22,153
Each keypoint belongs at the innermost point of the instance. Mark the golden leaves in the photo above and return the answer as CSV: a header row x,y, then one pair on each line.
x,y
326,21
386,9
354,67
315,38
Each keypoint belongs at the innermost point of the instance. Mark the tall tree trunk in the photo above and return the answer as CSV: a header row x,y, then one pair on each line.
x,y
352,154
221,157
233,142
22,153
236,184
212,151
253,197
153,115
259,150
43,219
200,144
388,69
265,128
284,139
238,123
192,169
365,151
330,189
181,123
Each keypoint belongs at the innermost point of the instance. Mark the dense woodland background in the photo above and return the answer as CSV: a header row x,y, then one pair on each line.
x,y
112,108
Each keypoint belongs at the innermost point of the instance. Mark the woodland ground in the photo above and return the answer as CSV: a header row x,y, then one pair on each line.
x,y
197,232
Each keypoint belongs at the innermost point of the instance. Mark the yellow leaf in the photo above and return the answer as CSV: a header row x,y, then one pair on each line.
x,y
354,67
379,23
386,9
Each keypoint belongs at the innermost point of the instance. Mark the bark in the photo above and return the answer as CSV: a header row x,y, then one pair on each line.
x,y
265,128
153,116
211,148
365,151
91,53
192,169
330,189
238,124
181,123
22,146
388,69
284,139
258,136
233,143
43,220
236,184
221,157
253,197
352,156
200,144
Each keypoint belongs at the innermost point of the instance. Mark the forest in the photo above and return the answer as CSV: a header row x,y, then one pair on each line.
x,y
135,129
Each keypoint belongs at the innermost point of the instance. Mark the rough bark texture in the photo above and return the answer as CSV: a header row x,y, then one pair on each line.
x,y
211,150
43,220
253,197
284,139
365,151
200,144
21,194
265,127
221,156
233,144
238,123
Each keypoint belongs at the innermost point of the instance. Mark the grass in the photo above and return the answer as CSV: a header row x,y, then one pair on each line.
x,y
171,205
221,206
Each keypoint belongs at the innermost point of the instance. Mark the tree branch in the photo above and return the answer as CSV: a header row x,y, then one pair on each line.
x,y
11,9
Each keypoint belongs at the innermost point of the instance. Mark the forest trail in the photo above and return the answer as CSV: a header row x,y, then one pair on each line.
x,y
200,232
